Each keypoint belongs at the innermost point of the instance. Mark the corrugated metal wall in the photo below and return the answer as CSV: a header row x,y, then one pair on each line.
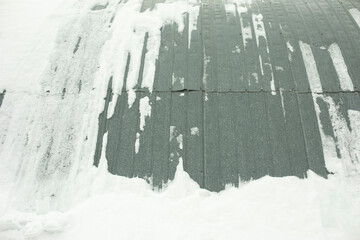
x,y
238,104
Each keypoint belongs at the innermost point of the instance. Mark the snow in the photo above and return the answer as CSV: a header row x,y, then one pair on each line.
x,y
259,29
355,13
206,62
237,49
27,22
282,103
311,69
346,139
279,68
193,17
269,208
246,31
341,68
137,143
195,131
174,133
290,47
179,80
261,65
230,8
138,26
256,77
79,201
290,50
145,111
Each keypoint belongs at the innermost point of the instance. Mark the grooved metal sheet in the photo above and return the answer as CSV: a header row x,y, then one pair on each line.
x,y
236,102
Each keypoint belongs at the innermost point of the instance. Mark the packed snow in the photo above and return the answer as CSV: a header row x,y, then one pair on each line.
x,y
268,208
85,202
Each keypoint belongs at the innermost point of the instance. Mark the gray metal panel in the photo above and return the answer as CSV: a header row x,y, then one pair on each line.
x,y
213,106
242,144
195,60
160,156
295,136
194,137
311,133
246,136
277,135
180,58
163,76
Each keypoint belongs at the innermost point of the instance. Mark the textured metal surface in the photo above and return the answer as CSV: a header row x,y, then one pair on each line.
x,y
214,106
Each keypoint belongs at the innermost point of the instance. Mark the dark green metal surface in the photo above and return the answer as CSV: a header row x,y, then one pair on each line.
x,y
245,132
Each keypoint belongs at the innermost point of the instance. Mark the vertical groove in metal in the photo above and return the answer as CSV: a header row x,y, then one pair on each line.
x,y
298,108
292,78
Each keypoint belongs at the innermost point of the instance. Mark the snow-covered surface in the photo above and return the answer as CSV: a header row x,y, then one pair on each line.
x,y
341,68
311,69
269,208
355,13
347,138
22,39
84,202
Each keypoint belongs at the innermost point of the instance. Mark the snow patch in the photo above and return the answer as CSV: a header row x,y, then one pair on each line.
x,y
341,68
237,49
355,13
206,62
138,27
180,80
290,50
290,47
311,69
145,111
230,8
174,133
282,103
346,139
246,31
195,131
259,29
272,81
279,68
261,65
193,17
256,77
137,143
